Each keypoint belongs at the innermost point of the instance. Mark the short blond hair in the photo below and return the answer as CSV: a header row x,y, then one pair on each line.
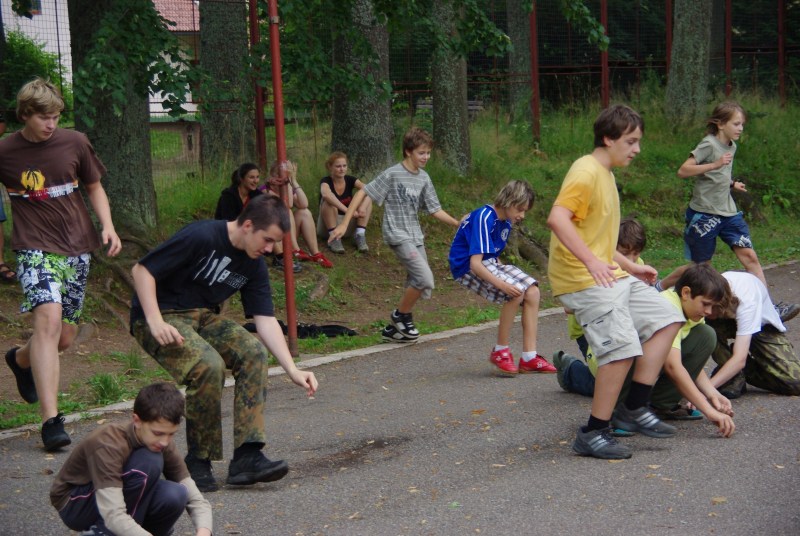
x,y
39,96
515,194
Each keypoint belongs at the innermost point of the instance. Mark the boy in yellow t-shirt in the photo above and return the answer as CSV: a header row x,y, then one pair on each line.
x,y
624,318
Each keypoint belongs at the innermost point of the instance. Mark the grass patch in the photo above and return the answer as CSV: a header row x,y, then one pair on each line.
x,y
15,414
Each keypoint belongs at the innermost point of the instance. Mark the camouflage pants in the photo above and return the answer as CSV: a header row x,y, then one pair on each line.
x,y
211,345
772,363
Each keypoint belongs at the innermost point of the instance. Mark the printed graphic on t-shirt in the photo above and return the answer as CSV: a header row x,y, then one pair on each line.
x,y
212,270
33,181
408,195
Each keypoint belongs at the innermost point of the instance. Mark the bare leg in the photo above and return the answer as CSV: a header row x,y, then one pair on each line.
x,y
655,351
749,259
530,318
366,207
507,314
50,336
409,299
307,228
607,386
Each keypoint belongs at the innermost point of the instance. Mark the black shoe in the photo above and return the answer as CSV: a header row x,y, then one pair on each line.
x,y
390,334
404,323
787,311
53,434
25,384
600,444
94,530
734,388
277,262
255,467
200,469
641,420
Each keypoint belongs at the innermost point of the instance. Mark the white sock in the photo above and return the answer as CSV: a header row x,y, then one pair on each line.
x,y
498,347
528,356
360,231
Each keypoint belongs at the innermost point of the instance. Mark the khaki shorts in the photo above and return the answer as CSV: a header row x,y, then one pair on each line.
x,y
617,320
415,260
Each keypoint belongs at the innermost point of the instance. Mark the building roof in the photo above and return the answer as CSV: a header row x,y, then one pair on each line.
x,y
182,12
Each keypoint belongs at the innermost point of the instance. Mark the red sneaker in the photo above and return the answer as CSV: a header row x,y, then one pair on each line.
x,y
301,255
320,259
503,360
537,364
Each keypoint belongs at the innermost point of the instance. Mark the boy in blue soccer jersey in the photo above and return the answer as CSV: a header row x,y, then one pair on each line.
x,y
474,263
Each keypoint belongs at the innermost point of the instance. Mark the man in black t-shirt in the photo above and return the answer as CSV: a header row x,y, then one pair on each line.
x,y
175,318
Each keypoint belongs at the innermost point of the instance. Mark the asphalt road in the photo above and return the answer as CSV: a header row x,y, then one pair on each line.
x,y
424,439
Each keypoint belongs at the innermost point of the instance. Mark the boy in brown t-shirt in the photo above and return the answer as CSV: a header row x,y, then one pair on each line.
x,y
41,166
111,483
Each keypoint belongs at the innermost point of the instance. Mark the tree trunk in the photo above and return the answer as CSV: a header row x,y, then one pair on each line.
x,y
228,128
519,59
122,142
687,87
362,124
449,88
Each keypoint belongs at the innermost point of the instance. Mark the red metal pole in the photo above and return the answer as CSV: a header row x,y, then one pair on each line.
x,y
728,51
280,142
604,91
261,140
536,109
782,52
668,21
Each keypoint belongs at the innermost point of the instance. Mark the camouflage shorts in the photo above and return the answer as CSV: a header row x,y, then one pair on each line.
x,y
211,345
53,278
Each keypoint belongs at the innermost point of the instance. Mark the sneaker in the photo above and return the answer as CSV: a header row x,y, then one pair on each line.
x,y
360,241
94,530
600,444
733,388
537,364
390,334
503,360
404,323
320,259
24,376
277,262
678,412
255,467
200,469
301,255
336,246
787,311
53,434
562,361
641,420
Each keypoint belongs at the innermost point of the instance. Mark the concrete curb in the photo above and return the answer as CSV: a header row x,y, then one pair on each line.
x,y
310,362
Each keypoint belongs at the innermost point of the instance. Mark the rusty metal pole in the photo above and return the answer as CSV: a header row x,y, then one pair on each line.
x,y
280,143
261,139
536,109
605,91
782,52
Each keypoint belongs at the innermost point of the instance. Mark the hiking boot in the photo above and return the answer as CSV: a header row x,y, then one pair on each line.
x,y
200,469
24,376
562,361
641,420
537,364
360,241
53,434
336,246
254,467
404,324
787,311
390,334
504,361
733,388
320,259
301,255
277,262
600,444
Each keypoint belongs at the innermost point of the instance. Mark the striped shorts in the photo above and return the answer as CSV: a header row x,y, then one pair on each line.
x,y
507,272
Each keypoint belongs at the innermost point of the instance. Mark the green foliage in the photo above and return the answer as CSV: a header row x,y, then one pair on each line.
x,y
133,45
579,15
15,414
29,59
